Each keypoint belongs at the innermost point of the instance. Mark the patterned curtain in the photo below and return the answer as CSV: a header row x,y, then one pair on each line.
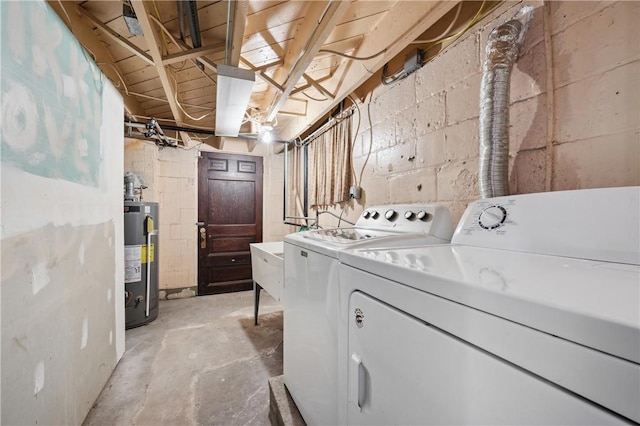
x,y
330,165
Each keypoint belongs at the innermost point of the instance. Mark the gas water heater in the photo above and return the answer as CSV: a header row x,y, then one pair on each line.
x,y
140,260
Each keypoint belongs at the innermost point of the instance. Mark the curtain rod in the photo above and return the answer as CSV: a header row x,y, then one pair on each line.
x,y
329,124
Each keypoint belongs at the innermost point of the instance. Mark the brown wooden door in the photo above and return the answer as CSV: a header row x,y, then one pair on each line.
x,y
230,212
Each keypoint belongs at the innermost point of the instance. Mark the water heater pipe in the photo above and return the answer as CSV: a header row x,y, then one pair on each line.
x,y
502,50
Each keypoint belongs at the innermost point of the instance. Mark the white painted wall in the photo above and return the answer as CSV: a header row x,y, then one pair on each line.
x,y
62,237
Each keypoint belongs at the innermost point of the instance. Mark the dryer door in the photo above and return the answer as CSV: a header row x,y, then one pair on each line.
x,y
405,371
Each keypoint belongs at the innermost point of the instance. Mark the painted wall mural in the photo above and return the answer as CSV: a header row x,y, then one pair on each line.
x,y
51,96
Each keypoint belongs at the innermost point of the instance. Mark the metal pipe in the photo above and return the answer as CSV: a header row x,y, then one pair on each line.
x,y
305,153
503,48
286,173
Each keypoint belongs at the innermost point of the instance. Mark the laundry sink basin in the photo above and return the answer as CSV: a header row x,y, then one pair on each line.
x,y
267,266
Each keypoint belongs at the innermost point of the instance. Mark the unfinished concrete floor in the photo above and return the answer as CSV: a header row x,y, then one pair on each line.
x,y
201,362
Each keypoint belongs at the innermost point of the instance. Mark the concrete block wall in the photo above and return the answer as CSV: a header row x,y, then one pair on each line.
x,y
422,132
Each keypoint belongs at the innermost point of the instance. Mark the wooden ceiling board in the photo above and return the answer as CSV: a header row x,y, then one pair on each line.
x,y
287,33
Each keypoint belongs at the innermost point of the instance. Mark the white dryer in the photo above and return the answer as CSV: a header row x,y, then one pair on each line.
x,y
310,296
530,316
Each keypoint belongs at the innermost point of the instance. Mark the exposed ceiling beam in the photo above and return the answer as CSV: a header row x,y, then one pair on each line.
x,y
318,86
269,65
308,85
86,36
184,46
196,53
326,22
115,36
262,75
151,36
404,22
237,22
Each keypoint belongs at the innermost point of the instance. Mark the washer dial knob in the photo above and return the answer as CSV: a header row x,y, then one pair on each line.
x,y
366,214
374,214
409,215
422,215
390,214
492,217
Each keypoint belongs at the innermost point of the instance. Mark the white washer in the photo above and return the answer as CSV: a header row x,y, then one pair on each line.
x,y
310,297
530,316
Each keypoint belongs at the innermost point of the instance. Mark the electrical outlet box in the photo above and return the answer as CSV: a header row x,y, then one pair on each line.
x,y
413,61
355,192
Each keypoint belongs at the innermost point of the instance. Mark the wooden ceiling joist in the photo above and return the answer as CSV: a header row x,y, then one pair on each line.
x,y
262,75
196,53
318,86
86,36
151,36
307,85
115,36
307,49
237,24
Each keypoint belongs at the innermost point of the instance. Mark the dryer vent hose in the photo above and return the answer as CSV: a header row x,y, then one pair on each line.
x,y
502,50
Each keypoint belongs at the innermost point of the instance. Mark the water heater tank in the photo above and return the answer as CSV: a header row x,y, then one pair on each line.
x,y
140,262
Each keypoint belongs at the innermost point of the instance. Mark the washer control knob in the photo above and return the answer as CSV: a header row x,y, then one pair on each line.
x,y
366,214
492,217
409,215
390,214
422,215
375,214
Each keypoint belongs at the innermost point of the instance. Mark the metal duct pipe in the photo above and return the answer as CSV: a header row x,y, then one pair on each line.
x,y
503,48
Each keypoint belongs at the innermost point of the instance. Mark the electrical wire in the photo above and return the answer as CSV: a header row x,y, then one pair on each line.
x,y
355,58
364,165
312,98
175,95
445,32
353,144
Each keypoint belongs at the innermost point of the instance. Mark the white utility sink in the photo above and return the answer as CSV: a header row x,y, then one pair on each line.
x,y
267,267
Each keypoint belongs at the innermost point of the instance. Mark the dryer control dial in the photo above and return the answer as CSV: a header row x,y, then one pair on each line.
x,y
492,217
374,214
390,214
366,214
409,215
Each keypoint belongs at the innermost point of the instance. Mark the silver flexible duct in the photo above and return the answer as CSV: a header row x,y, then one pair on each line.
x,y
503,47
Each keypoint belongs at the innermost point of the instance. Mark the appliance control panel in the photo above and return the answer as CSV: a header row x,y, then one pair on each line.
x,y
427,218
597,224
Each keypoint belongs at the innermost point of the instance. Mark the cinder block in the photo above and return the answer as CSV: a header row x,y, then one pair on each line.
x,y
601,105
175,231
458,181
463,100
375,188
431,113
528,124
168,185
567,13
400,96
188,167
383,135
188,215
529,74
407,125
168,169
461,141
597,43
396,159
529,171
455,64
169,212
415,186
604,161
430,149
456,208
